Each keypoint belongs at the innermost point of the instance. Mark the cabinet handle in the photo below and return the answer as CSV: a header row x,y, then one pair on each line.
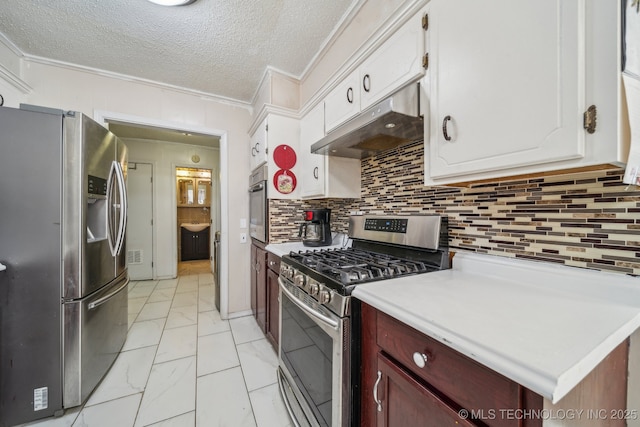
x,y
366,83
375,392
350,95
272,263
253,151
257,147
315,172
444,128
420,359
1,100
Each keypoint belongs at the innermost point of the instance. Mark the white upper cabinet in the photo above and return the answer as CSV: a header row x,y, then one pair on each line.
x,y
258,142
509,83
343,102
322,176
393,65
277,141
396,63
311,131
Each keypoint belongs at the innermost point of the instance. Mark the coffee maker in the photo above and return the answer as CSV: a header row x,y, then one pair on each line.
x,y
316,230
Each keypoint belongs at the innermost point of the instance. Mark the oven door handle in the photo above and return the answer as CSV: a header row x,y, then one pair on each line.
x,y
301,305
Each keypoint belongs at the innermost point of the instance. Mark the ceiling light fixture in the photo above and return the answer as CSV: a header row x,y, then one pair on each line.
x,y
172,2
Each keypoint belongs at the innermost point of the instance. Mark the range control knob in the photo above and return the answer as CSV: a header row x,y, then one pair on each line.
x,y
324,296
314,288
299,280
286,271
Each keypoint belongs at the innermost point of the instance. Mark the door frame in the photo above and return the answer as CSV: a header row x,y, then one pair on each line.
x,y
103,117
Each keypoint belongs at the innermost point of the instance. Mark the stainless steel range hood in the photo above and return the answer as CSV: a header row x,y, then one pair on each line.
x,y
389,124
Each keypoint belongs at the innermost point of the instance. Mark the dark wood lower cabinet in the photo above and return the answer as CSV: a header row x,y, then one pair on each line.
x,y
259,284
265,269
273,305
450,389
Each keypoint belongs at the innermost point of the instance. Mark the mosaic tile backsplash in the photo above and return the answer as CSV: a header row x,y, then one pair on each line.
x,y
589,220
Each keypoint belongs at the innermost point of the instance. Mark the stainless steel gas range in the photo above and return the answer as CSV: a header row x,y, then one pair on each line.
x,y
319,322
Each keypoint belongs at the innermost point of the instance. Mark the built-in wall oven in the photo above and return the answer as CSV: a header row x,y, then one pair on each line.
x,y
319,322
258,207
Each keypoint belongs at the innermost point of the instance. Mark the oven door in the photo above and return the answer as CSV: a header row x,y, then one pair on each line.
x,y
314,360
258,211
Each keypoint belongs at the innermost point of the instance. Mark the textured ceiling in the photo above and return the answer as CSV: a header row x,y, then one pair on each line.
x,y
219,47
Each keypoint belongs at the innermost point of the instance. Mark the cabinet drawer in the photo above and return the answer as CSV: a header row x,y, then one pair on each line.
x,y
273,262
466,382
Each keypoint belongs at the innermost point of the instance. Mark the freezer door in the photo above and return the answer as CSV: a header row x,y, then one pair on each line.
x,y
94,332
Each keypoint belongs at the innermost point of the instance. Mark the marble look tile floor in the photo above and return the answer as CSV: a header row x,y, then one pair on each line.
x,y
182,365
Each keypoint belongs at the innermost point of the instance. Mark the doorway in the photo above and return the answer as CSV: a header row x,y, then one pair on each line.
x,y
195,218
164,192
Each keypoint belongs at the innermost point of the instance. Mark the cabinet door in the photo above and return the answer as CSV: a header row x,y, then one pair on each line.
x,y
396,63
403,401
254,282
273,308
343,102
185,191
261,288
187,247
202,244
203,192
313,165
282,130
258,147
507,84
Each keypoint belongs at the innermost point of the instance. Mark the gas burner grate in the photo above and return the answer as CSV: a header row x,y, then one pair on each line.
x,y
351,266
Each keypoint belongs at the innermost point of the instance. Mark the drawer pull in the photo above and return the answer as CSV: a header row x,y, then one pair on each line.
x,y
420,359
375,392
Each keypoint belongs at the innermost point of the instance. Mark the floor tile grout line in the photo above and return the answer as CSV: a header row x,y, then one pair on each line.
x,y
244,378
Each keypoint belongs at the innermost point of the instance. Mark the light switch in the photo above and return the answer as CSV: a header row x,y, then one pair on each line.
x,y
243,222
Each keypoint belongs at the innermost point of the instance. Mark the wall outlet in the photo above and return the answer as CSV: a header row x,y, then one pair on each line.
x,y
243,237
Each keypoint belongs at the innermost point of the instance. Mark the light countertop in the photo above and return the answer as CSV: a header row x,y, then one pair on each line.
x,y
544,326
280,249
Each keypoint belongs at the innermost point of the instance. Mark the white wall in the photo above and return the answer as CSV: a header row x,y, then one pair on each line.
x,y
89,92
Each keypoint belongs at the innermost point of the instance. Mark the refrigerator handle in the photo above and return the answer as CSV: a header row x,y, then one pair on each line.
x,y
111,206
106,298
2,267
116,185
122,190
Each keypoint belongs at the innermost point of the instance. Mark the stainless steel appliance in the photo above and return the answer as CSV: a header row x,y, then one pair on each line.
x,y
319,320
63,299
316,230
258,208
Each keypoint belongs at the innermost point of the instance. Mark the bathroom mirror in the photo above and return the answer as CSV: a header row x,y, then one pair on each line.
x,y
185,192
204,192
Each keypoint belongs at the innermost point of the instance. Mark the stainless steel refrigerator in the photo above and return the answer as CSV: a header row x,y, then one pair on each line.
x,y
63,299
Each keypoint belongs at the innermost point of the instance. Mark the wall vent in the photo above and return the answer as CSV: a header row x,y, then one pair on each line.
x,y
134,256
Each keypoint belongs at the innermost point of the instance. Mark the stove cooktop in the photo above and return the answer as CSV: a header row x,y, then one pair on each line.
x,y
350,266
